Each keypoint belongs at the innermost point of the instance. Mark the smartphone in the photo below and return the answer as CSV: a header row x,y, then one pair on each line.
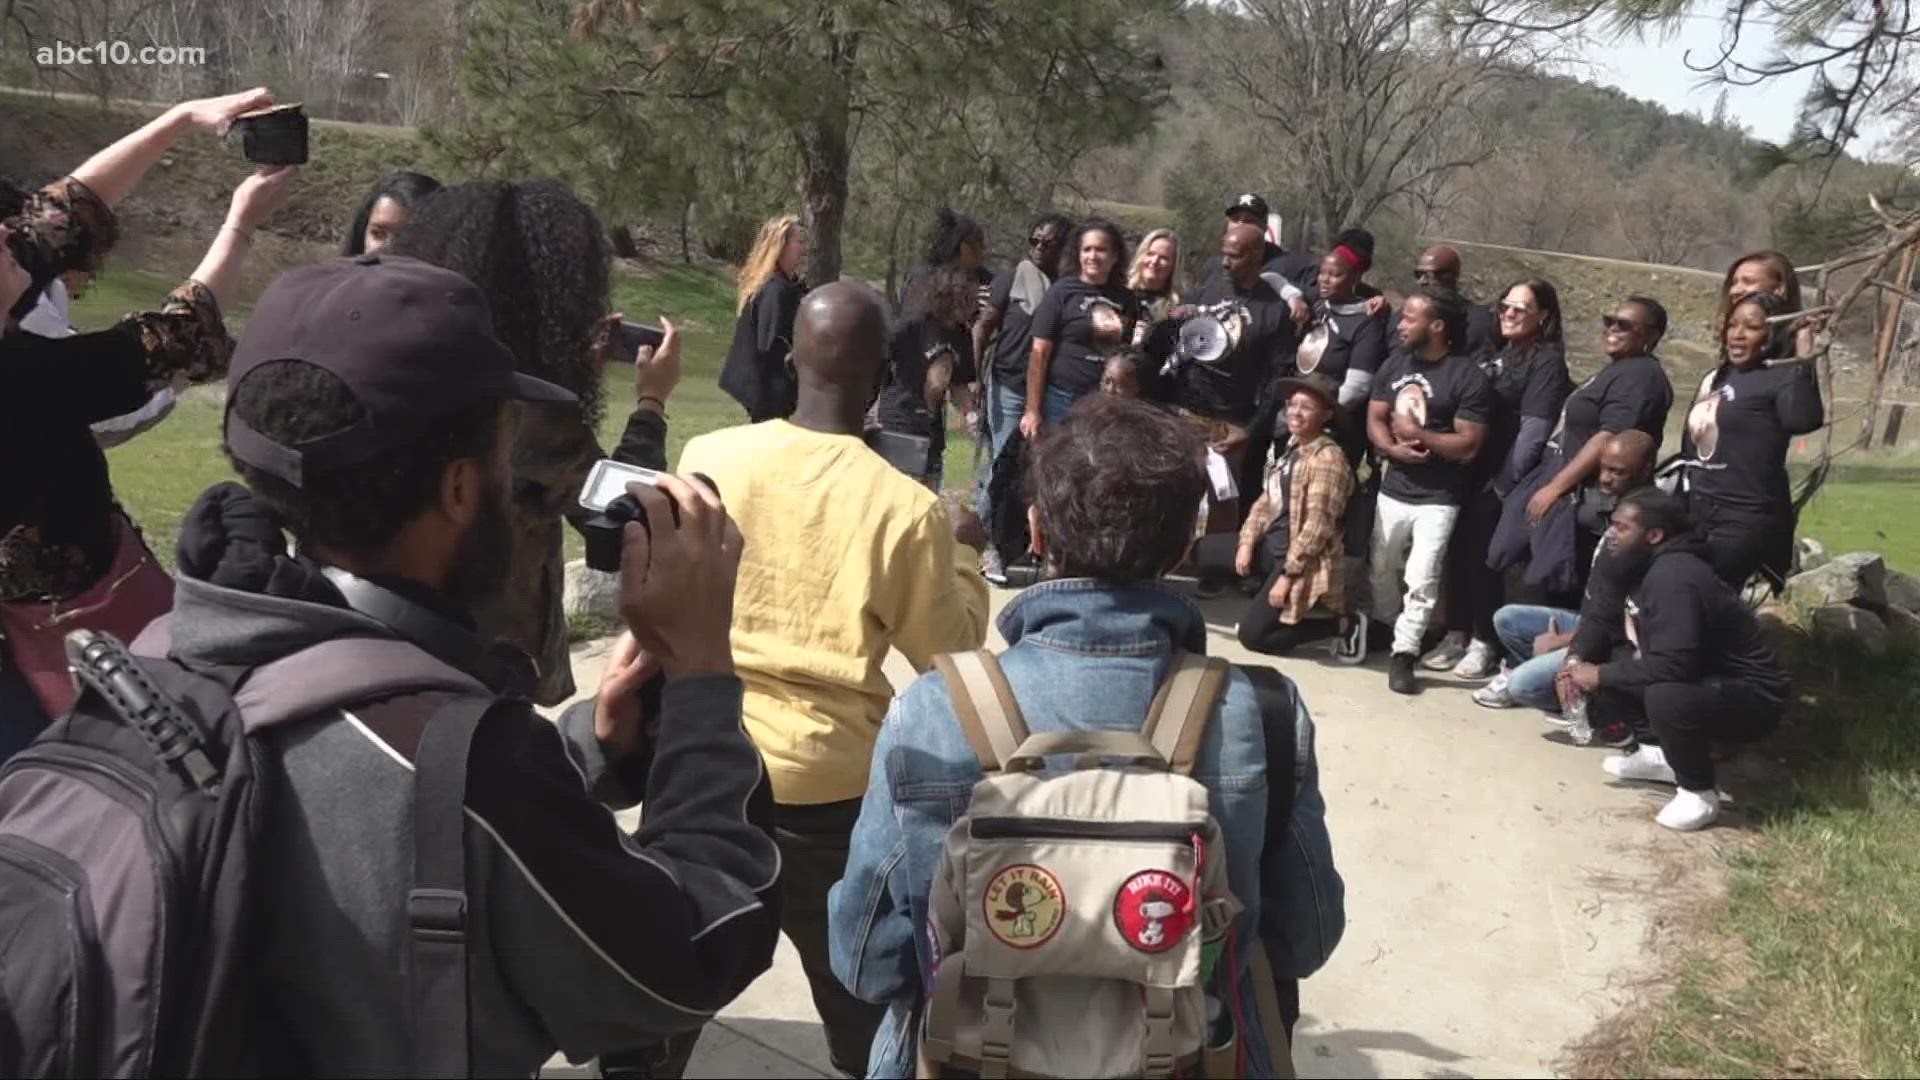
x,y
634,336
608,481
276,136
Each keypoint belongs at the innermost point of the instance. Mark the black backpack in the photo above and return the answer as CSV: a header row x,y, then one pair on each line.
x,y
129,832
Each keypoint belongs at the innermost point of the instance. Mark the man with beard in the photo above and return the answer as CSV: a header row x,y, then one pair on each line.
x,y
369,416
1427,420
1702,670
1221,397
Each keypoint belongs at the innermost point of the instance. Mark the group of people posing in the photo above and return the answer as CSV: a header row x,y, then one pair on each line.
x,y
411,424
1378,480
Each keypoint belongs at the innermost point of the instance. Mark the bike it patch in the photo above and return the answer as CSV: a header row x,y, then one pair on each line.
x,y
1154,910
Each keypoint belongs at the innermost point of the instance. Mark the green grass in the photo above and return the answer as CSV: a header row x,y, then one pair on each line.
x,y
1810,964
1880,515
159,475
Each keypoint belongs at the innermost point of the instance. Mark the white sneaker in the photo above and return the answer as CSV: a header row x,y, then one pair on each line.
x,y
992,568
1645,763
1494,695
1480,662
1444,655
1689,810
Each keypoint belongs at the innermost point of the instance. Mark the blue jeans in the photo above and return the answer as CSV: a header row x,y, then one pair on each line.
x,y
1004,404
1530,680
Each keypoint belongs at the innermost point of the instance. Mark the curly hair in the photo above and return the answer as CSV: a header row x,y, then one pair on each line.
x,y
1070,255
1114,486
950,233
541,257
946,294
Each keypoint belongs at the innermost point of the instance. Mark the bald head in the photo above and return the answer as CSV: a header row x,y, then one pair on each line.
x,y
1243,250
1626,462
840,338
1439,265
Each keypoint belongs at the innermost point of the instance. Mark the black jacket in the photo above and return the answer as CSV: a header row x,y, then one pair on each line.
x,y
1689,625
755,373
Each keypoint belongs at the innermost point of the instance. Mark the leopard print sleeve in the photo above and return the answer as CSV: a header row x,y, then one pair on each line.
x,y
72,224
185,337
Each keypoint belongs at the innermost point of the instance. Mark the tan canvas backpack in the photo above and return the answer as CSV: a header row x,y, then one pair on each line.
x,y
1077,916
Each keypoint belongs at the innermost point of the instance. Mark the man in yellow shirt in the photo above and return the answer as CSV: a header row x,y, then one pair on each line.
x,y
846,558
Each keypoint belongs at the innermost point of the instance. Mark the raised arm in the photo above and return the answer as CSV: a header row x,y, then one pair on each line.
x,y
114,172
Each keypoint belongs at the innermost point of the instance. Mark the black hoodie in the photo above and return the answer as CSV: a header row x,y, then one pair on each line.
x,y
1688,625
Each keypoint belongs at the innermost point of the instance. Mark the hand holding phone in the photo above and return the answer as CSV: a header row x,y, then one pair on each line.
x,y
276,136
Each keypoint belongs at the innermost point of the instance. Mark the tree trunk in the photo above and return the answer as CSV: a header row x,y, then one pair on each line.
x,y
686,233
621,237
826,158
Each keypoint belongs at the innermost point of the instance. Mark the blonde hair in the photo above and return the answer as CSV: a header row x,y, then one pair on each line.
x,y
764,260
1140,260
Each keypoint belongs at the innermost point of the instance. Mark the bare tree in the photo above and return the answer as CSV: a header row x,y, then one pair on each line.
x,y
1357,90
1672,208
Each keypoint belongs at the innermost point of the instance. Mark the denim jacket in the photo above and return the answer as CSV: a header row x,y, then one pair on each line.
x,y
1082,653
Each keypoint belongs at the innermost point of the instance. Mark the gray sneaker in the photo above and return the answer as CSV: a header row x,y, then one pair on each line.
x,y
1494,695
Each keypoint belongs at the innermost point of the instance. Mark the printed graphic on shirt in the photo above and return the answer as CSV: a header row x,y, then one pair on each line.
x,y
1703,422
1024,905
1410,394
1633,623
1109,325
1154,910
1307,356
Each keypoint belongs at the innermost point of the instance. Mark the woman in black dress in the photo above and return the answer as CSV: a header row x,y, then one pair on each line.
x,y
758,372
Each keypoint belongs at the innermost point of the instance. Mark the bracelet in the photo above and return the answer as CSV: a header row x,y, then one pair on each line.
x,y
662,402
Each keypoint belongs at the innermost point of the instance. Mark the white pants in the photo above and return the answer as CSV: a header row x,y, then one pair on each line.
x,y
1409,539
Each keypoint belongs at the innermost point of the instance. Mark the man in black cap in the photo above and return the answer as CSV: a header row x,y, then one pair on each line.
x,y
1289,274
368,415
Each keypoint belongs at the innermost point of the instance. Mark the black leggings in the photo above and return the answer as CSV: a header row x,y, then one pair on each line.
x,y
1473,591
1260,627
1685,719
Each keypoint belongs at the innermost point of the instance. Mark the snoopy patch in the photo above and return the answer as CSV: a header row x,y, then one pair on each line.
x,y
1024,905
1154,910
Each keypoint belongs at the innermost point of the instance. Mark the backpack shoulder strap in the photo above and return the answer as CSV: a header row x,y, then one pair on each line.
x,y
1178,716
983,703
1279,726
437,907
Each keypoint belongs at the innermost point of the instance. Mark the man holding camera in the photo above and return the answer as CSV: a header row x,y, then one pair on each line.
x,y
846,559
368,415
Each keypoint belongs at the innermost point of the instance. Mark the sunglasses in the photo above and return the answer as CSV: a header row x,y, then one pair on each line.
x,y
1516,309
1611,322
1426,275
1044,239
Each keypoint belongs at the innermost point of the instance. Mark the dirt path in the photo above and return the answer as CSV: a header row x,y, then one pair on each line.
x,y
1497,890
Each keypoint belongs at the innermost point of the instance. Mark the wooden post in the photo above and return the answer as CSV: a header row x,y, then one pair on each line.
x,y
1883,349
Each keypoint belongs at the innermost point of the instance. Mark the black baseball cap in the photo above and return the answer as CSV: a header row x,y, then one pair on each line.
x,y
412,341
1249,201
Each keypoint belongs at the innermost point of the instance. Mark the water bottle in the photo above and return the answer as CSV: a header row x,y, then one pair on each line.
x,y
1577,726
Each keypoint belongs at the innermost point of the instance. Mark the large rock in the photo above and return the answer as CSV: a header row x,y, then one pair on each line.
x,y
1809,554
1777,620
1848,627
591,592
1903,592
1859,579
1903,626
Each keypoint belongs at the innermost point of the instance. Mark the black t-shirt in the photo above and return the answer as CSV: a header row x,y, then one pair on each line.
x,y
1260,333
1013,342
1629,393
915,347
1735,442
1353,341
1086,324
1437,396
1534,384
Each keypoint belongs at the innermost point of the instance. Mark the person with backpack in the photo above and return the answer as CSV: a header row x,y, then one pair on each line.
x,y
364,852
1226,895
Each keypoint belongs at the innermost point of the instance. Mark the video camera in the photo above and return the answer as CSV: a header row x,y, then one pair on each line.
x,y
605,493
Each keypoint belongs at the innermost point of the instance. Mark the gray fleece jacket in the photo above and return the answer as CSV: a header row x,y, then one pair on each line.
x,y
583,938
